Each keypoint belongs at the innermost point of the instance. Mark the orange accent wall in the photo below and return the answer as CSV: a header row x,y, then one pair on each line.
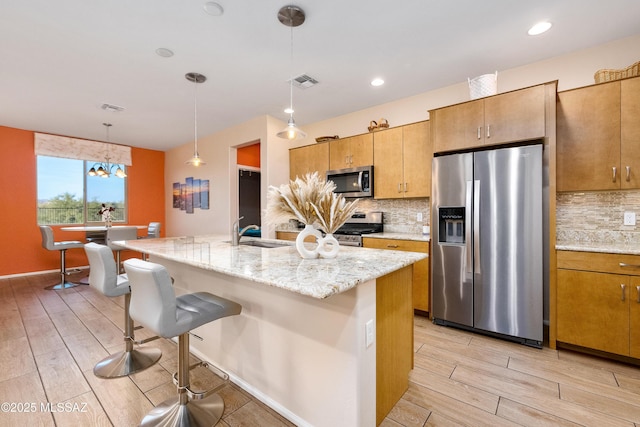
x,y
249,155
21,248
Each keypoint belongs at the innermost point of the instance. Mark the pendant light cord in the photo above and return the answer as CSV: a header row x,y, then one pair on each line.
x,y
195,115
291,76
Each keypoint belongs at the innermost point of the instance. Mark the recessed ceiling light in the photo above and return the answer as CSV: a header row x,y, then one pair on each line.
x,y
213,8
288,110
164,52
539,28
377,82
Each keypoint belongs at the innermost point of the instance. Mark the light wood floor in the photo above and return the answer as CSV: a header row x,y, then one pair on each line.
x,y
50,341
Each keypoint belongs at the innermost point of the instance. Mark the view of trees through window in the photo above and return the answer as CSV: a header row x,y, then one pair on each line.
x,y
67,195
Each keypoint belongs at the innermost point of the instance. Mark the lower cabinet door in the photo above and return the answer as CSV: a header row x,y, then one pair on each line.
x,y
634,318
593,310
420,268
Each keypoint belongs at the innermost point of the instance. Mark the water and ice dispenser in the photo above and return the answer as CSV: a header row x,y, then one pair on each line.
x,y
451,225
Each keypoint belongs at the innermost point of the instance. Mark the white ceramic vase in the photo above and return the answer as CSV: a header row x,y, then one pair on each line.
x,y
309,230
328,246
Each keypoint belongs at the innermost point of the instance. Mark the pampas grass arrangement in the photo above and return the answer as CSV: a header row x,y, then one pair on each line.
x,y
310,200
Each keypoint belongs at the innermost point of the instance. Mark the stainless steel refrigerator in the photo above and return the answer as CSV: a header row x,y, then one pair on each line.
x,y
487,242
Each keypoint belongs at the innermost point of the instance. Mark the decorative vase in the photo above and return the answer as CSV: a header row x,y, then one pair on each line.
x,y
309,230
328,246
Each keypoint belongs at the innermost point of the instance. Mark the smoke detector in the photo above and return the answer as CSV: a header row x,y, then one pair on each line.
x,y
112,108
303,81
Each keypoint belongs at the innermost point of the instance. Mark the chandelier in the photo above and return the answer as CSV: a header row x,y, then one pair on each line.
x,y
104,168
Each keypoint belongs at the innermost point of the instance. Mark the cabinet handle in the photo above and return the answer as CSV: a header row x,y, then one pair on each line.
x,y
628,168
488,131
638,289
624,264
623,287
351,159
395,246
405,187
346,160
615,170
399,187
479,130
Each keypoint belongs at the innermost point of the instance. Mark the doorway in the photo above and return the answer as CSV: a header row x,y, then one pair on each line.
x,y
249,185
248,197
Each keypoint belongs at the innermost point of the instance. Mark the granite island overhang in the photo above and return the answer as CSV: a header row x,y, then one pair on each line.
x,y
325,342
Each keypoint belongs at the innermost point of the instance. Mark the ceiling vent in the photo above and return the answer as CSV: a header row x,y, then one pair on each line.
x,y
112,108
304,81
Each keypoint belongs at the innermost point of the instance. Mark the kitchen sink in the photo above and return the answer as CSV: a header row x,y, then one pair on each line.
x,y
262,244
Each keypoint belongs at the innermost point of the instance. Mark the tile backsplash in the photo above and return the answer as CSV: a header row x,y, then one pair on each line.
x,y
597,217
400,215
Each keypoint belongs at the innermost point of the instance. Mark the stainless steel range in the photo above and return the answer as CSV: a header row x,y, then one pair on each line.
x,y
350,234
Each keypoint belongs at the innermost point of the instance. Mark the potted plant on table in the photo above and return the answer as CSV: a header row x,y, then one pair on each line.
x,y
105,212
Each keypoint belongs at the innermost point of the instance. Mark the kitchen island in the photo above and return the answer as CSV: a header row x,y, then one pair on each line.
x,y
325,342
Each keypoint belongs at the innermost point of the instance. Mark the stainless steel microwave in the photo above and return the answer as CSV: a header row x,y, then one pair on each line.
x,y
353,182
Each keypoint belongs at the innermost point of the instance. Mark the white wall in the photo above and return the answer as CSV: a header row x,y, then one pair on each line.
x,y
219,153
572,70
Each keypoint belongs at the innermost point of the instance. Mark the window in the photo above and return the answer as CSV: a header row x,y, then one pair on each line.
x,y
67,195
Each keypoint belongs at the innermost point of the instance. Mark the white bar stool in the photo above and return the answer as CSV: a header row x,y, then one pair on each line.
x,y
49,244
103,277
155,306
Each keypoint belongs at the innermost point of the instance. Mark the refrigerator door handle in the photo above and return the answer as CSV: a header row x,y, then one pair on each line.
x,y
467,229
476,225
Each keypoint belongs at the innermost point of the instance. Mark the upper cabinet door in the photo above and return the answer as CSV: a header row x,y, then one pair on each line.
x,y
630,133
351,152
339,153
310,158
588,138
387,172
515,116
417,155
458,127
361,150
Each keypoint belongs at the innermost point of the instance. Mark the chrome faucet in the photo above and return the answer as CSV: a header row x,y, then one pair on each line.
x,y
236,233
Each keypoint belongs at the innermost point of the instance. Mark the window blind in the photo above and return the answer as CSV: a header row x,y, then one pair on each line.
x,y
81,149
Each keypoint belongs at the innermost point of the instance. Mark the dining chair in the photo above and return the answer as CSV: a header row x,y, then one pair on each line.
x,y
115,234
153,231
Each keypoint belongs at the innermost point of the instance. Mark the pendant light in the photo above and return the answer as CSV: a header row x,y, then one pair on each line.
x,y
195,78
291,16
104,168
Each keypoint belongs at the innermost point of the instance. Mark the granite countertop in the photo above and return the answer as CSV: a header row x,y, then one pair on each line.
x,y
282,266
611,248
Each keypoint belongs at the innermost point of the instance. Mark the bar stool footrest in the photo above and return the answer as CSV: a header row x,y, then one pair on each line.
x,y
198,395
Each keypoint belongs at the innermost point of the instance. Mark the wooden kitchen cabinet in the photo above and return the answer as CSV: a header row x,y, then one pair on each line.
x,y
588,138
310,158
598,301
420,269
598,137
499,119
630,132
351,152
402,161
